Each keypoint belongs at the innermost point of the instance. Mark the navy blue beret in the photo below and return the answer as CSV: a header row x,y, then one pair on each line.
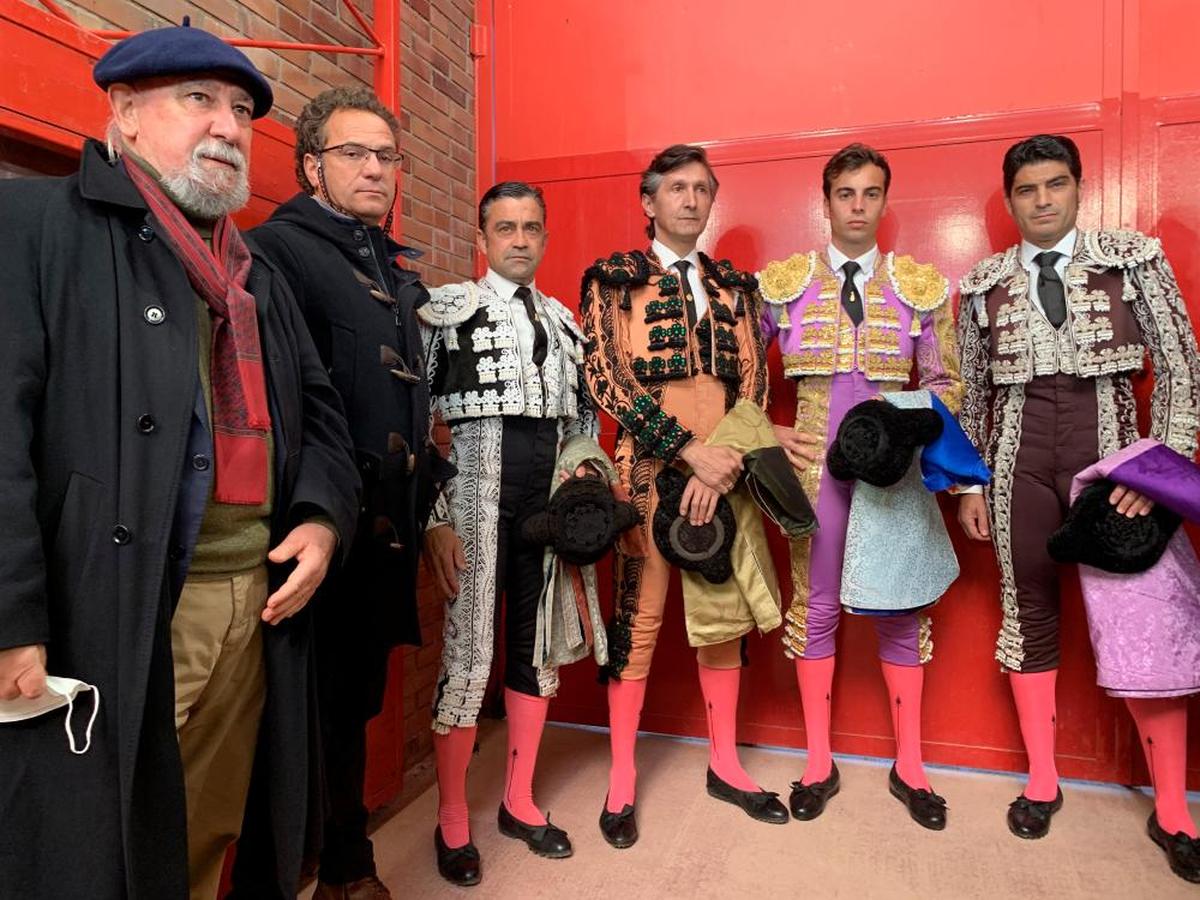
x,y
181,50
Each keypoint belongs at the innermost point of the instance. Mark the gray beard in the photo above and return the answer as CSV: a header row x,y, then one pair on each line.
x,y
199,198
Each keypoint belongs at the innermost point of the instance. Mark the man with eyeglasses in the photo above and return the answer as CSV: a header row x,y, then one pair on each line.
x,y
331,243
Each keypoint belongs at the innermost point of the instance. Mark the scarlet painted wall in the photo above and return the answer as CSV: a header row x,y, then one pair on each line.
x,y
584,94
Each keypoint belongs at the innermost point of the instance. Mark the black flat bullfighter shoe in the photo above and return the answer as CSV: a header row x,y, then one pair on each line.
x,y
926,808
761,805
807,801
545,840
1030,819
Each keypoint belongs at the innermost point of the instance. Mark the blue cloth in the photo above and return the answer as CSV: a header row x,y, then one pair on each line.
x,y
952,459
181,51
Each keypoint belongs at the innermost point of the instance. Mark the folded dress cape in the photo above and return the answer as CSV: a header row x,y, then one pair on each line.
x,y
749,598
1145,626
898,556
772,482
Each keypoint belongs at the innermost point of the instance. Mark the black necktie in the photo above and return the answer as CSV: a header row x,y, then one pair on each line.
x,y
851,299
686,287
539,332
1050,288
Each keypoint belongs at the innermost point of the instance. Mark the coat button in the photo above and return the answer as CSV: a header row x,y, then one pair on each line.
x,y
364,252
145,233
200,462
146,423
154,314
121,535
358,234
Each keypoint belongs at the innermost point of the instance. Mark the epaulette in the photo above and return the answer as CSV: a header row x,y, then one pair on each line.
x,y
783,280
723,273
1118,249
918,285
450,304
620,270
563,314
987,273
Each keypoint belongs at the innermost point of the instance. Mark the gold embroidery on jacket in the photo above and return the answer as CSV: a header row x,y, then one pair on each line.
x,y
783,281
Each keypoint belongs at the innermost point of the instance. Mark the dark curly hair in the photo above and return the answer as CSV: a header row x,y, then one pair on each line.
x,y
310,127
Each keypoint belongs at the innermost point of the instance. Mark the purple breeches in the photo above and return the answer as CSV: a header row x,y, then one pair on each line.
x,y
899,636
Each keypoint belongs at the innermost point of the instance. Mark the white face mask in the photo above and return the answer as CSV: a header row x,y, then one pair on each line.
x,y
59,692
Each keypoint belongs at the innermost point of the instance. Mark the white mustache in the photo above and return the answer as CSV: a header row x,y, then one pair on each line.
x,y
219,150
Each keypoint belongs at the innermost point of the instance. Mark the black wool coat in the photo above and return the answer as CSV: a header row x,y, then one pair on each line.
x,y
360,306
98,385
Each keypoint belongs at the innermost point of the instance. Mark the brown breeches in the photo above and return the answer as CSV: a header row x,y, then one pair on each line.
x,y
1058,440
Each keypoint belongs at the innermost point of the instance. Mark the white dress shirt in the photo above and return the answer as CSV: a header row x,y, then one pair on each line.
x,y
1066,247
669,257
866,267
507,290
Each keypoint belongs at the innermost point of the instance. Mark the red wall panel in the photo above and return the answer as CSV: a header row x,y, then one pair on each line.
x,y
943,89
627,74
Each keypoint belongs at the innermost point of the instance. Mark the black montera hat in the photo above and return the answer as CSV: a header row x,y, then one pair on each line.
x,y
695,548
582,520
1095,534
876,441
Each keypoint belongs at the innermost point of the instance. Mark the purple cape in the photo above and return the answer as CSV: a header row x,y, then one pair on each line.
x,y
1145,627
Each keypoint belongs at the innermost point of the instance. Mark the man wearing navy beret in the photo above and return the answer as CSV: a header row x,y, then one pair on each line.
x,y
176,474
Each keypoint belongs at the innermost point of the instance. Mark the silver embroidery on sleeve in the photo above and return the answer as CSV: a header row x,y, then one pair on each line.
x,y
1160,314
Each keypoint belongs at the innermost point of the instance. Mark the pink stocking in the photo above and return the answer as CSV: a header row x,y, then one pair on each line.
x,y
625,700
816,691
526,719
1162,727
1034,696
904,685
720,689
453,754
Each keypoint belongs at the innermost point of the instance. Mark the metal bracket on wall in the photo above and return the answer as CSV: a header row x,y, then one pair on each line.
x,y
376,50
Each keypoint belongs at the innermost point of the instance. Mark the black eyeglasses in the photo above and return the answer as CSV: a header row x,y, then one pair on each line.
x,y
358,155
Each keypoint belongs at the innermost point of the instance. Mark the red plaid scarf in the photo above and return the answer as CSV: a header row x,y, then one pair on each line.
x,y
241,418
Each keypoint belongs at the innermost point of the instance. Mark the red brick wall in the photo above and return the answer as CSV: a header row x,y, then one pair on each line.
x,y
437,99
438,189
438,112
296,77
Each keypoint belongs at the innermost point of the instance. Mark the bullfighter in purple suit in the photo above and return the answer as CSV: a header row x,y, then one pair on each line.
x,y
850,323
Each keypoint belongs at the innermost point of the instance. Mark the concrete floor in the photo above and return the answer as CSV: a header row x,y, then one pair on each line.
x,y
692,846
